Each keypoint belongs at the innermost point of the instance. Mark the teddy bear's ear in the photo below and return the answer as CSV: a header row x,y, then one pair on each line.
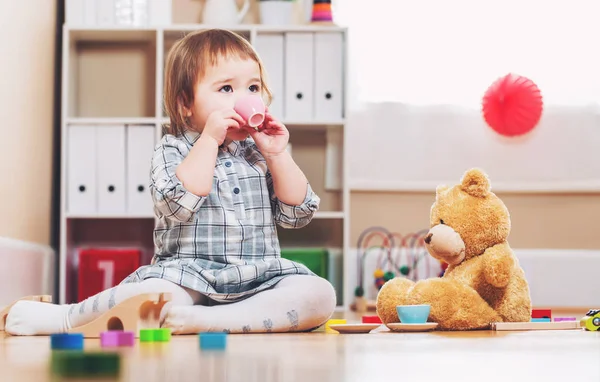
x,y
476,183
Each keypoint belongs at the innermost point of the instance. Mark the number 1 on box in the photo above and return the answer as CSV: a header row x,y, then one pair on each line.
x,y
108,268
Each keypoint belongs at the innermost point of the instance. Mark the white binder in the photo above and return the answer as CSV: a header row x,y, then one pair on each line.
x,y
110,167
140,146
299,76
270,47
328,76
81,169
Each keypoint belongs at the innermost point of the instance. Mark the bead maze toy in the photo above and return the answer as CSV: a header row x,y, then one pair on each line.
x,y
4,312
137,313
398,256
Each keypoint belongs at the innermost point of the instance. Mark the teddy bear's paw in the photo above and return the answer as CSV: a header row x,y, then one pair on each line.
x,y
454,306
392,293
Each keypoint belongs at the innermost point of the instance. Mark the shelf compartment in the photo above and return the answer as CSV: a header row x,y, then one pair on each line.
x,y
318,233
111,74
103,233
309,150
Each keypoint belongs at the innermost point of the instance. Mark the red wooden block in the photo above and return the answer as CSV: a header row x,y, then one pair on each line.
x,y
541,313
101,269
371,320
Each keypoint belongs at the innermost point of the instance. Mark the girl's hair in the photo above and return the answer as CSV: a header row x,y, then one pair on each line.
x,y
186,63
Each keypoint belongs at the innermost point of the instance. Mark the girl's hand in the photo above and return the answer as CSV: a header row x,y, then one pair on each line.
x,y
219,122
271,138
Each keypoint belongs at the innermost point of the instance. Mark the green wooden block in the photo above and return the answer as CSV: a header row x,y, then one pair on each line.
x,y
155,335
85,364
146,335
162,335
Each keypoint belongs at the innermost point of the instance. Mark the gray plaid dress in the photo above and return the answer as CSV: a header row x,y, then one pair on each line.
x,y
223,245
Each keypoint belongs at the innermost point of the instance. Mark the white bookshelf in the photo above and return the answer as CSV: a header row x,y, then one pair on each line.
x,y
113,87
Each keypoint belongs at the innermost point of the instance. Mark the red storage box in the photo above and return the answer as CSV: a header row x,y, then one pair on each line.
x,y
103,268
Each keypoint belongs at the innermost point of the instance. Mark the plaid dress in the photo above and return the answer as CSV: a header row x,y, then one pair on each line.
x,y
223,245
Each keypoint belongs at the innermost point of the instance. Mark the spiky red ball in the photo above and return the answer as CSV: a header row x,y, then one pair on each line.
x,y
512,105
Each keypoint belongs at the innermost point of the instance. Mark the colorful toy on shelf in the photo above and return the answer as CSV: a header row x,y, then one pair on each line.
x,y
321,11
591,320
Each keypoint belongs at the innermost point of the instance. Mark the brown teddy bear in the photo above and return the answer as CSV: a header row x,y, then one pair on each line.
x,y
484,282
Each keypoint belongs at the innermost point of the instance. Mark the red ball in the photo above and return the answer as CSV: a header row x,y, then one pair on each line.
x,y
512,105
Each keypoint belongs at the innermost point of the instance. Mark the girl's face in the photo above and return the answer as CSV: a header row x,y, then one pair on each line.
x,y
222,85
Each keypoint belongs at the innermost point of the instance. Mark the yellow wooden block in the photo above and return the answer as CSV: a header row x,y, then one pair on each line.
x,y
333,322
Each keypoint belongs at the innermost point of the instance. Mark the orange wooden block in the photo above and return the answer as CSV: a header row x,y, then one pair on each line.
x,y
4,312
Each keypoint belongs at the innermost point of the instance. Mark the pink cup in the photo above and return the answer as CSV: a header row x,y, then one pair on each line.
x,y
252,109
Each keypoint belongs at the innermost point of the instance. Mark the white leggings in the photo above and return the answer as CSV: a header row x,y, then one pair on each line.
x,y
296,303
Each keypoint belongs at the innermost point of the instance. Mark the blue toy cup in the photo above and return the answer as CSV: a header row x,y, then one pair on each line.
x,y
413,314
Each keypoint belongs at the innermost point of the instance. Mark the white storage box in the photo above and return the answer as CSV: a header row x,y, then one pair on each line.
x,y
25,269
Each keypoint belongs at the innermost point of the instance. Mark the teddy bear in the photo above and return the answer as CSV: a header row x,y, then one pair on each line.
x,y
483,282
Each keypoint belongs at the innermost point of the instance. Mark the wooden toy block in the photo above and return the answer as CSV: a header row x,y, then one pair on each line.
x,y
213,341
132,315
561,319
371,320
333,322
66,341
116,338
519,326
38,298
541,320
155,335
541,313
86,364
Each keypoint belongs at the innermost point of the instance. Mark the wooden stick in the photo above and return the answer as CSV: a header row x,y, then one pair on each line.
x,y
38,298
138,312
564,325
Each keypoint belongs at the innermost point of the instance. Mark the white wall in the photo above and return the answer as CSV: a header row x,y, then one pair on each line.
x,y
26,97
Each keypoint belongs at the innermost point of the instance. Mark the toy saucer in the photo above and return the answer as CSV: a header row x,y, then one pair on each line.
x,y
400,327
354,328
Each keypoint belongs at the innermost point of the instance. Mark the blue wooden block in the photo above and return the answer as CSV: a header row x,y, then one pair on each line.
x,y
66,341
540,320
213,341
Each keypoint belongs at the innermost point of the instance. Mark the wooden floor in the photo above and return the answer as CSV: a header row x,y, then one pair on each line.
x,y
543,356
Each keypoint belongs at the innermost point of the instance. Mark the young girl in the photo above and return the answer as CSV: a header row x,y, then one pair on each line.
x,y
219,189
